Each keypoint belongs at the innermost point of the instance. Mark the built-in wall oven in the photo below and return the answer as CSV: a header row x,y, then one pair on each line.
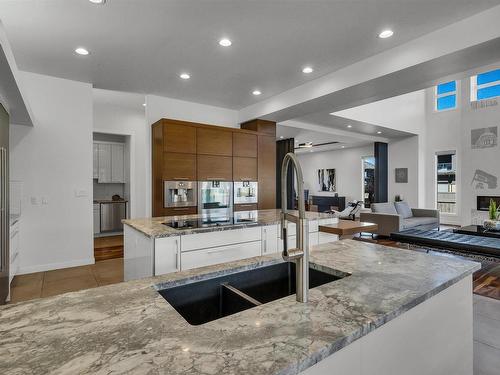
x,y
245,192
179,194
215,199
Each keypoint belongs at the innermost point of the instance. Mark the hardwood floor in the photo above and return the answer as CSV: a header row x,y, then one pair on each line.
x,y
110,247
51,283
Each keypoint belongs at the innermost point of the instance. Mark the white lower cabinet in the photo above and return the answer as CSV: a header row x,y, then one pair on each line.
x,y
220,254
167,255
270,239
14,250
97,218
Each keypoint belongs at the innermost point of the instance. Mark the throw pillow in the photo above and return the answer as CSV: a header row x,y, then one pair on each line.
x,y
403,209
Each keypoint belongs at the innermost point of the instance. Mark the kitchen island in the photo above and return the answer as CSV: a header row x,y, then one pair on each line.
x,y
399,312
160,245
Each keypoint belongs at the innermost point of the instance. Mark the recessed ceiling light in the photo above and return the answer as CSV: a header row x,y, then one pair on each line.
x,y
224,42
349,126
82,51
307,70
311,150
256,92
343,146
184,76
386,34
281,137
143,104
379,132
98,1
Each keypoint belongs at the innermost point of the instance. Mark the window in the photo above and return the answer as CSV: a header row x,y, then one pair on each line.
x,y
368,180
485,85
446,182
446,96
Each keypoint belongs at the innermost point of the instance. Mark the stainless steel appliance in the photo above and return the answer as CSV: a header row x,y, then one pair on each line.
x,y
179,194
245,192
112,214
4,205
215,199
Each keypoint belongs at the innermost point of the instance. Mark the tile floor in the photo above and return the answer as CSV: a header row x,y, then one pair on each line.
x,y
51,283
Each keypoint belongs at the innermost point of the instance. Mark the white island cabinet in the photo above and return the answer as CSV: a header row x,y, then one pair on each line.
x,y
153,256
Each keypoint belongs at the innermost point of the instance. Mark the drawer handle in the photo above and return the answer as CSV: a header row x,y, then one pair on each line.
x,y
181,209
180,178
219,251
215,179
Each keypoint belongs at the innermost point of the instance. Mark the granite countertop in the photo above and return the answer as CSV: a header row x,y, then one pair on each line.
x,y
154,228
130,328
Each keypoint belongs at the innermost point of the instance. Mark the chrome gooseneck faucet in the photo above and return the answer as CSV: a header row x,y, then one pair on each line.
x,y
299,254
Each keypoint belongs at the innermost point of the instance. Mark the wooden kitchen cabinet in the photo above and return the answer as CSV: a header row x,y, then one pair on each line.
x,y
179,167
179,138
245,207
245,145
214,142
178,211
244,169
267,172
212,168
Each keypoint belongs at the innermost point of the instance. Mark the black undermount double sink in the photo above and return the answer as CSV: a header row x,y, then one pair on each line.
x,y
203,301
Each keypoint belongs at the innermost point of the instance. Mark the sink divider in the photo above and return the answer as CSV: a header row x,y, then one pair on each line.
x,y
239,293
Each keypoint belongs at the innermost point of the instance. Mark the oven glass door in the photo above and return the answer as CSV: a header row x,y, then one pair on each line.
x,y
215,197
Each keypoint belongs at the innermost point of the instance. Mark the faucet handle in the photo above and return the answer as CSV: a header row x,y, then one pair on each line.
x,y
292,254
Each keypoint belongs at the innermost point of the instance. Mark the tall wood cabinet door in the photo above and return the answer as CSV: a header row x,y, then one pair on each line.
x,y
179,167
245,145
218,168
244,169
267,172
214,142
104,163
179,138
117,163
95,161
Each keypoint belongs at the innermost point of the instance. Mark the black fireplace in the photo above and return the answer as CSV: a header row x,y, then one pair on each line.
x,y
483,201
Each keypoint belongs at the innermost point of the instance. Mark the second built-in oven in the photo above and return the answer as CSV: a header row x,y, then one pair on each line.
x,y
215,198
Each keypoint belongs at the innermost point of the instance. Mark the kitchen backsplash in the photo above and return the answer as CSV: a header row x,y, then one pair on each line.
x,y
106,191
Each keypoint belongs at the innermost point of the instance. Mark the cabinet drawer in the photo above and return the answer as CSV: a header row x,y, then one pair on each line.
x,y
176,211
219,238
270,239
179,138
244,169
245,145
313,227
245,207
292,241
222,254
214,142
167,255
215,168
179,167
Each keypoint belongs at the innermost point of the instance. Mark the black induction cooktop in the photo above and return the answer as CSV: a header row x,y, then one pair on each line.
x,y
208,222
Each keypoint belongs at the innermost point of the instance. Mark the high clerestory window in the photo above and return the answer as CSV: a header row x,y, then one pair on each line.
x,y
446,96
485,85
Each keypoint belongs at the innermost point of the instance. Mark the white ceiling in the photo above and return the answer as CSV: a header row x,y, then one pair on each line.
x,y
141,46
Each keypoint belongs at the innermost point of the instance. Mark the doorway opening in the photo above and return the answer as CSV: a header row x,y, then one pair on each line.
x,y
111,193
368,183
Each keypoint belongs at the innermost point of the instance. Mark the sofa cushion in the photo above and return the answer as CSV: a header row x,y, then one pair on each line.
x,y
413,222
403,209
384,208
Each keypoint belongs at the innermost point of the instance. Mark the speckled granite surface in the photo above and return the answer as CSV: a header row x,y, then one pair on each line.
x,y
154,227
129,328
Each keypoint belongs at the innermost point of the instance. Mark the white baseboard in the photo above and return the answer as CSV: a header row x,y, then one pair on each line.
x,y
55,266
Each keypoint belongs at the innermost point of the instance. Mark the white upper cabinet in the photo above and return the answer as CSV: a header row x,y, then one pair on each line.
x,y
110,162
95,154
117,163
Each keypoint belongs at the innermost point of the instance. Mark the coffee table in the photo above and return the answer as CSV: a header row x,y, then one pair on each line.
x,y
477,230
345,228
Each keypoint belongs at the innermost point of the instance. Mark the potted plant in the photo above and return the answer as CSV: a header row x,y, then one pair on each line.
x,y
494,217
